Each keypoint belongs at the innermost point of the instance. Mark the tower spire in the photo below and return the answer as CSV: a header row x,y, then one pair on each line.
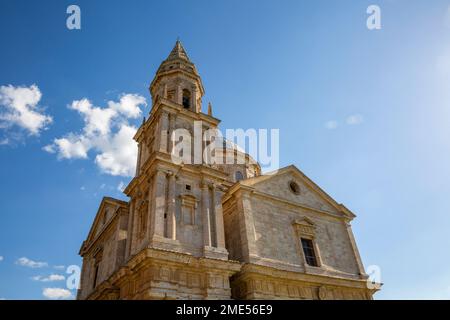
x,y
177,80
178,52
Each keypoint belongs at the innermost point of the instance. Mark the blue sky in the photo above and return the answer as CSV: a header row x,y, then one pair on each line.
x,y
365,114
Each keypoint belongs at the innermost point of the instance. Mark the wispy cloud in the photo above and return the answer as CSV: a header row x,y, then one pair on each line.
x,y
19,107
1,258
106,132
56,293
50,278
59,267
351,120
25,262
331,124
354,119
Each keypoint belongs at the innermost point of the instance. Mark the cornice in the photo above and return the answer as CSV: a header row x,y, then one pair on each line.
x,y
164,162
297,205
252,191
122,205
323,279
176,108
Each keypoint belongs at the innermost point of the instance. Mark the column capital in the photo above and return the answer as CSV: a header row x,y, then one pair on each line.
x,y
205,184
165,113
217,187
170,173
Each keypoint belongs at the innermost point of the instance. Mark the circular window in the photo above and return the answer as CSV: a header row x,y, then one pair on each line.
x,y
295,188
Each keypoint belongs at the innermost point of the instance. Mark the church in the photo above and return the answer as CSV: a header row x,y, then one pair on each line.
x,y
215,231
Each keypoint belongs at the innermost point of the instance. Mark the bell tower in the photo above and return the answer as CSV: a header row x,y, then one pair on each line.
x,y
177,207
177,80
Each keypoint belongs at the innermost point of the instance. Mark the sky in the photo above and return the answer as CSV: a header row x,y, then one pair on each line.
x,y
364,113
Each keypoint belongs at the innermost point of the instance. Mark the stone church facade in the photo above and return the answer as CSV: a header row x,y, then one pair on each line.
x,y
202,231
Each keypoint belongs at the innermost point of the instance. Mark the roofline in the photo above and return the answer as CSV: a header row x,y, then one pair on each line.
x,y
251,181
105,200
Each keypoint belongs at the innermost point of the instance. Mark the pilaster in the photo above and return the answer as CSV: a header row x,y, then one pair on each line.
x,y
171,218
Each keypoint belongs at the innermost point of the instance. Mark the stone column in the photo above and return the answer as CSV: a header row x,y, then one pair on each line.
x,y
218,216
83,289
159,187
150,196
171,128
138,165
130,232
165,91
213,226
163,128
194,98
179,94
171,218
206,215
246,227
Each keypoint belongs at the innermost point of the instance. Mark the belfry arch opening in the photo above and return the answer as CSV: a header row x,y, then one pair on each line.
x,y
186,99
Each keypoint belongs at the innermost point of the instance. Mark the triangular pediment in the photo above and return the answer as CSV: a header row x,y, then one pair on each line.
x,y
304,221
304,226
292,185
106,211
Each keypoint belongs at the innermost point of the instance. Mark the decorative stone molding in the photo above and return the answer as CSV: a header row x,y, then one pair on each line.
x,y
188,200
188,208
304,227
322,293
257,282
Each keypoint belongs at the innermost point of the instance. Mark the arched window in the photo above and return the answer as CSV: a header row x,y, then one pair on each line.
x,y
186,99
238,176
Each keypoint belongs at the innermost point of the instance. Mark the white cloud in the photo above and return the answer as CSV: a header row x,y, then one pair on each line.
x,y
106,132
128,105
119,153
69,147
97,120
56,293
30,263
121,186
50,278
331,125
354,119
1,258
19,107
